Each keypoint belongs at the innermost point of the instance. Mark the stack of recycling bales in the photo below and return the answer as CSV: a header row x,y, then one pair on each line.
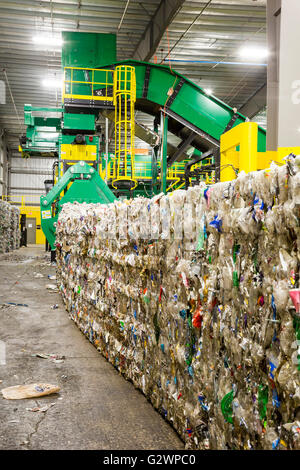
x,y
9,227
14,239
187,296
4,226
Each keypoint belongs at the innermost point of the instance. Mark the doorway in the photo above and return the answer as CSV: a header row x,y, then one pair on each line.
x,y
31,230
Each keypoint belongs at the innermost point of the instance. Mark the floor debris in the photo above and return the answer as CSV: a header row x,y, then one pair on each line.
x,y
56,358
52,287
38,275
18,392
41,409
15,304
42,356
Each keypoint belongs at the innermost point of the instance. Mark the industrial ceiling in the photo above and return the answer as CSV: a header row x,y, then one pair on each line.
x,y
200,39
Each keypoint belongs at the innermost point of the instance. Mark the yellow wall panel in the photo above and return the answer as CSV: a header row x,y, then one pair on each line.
x,y
78,152
34,211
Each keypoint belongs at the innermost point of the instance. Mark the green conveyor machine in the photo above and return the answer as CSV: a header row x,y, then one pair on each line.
x,y
97,89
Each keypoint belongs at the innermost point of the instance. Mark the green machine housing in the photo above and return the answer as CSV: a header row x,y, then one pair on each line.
x,y
74,138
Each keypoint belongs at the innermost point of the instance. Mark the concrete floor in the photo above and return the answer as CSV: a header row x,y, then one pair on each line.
x,y
96,408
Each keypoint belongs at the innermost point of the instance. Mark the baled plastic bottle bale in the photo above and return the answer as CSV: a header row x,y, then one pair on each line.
x,y
9,227
214,195
294,187
242,188
292,435
261,187
191,223
283,184
5,226
155,216
17,233
176,334
177,201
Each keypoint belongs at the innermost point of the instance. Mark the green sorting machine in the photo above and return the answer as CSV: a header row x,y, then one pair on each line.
x,y
96,87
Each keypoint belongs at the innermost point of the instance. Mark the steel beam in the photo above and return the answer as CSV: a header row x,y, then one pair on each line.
x,y
181,149
163,158
196,159
28,171
156,27
27,188
255,103
154,160
193,128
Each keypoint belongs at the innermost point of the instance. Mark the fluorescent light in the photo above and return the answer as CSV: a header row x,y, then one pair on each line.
x,y
47,41
208,91
251,52
52,83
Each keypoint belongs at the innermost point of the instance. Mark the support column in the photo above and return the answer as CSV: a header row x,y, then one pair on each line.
x,y
163,158
4,163
154,160
289,75
283,95
2,173
106,148
273,37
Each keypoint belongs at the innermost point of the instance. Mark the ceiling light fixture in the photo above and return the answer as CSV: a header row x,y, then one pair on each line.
x,y
52,83
208,91
251,52
47,41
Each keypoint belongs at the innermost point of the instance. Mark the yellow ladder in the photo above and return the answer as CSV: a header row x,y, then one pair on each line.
x,y
124,98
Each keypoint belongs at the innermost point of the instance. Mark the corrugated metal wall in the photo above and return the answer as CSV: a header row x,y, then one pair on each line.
x,y
27,177
202,42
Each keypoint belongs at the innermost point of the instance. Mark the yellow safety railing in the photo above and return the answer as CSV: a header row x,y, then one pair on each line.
x,y
175,173
174,185
142,173
124,100
178,183
22,200
89,96
247,158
